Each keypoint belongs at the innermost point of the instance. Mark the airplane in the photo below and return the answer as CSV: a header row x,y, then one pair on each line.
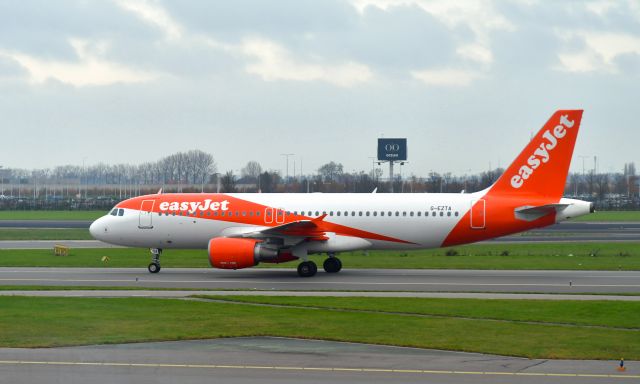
x,y
240,230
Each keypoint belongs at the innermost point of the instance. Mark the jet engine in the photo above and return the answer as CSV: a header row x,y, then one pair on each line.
x,y
238,253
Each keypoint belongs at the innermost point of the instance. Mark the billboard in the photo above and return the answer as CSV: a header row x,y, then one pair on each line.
x,y
392,149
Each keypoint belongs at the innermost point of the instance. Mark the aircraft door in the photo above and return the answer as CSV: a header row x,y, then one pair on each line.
x,y
280,215
145,220
478,214
268,215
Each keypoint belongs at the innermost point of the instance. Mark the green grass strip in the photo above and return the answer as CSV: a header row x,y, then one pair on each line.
x,y
537,256
48,322
45,234
51,215
616,314
610,216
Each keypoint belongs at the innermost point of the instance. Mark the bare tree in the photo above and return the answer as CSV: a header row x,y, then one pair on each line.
x,y
228,182
252,170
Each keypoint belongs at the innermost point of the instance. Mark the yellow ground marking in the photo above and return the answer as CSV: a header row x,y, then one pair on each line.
x,y
324,369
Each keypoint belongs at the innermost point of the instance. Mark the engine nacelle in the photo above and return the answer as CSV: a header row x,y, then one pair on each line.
x,y
237,253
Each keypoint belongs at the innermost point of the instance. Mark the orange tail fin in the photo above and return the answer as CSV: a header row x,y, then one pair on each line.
x,y
541,168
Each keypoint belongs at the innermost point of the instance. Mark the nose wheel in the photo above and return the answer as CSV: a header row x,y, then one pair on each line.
x,y
154,267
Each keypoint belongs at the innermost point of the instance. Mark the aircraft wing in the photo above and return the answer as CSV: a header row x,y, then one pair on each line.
x,y
302,229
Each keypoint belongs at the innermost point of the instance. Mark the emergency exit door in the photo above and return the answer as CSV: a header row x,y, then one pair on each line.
x,y
478,214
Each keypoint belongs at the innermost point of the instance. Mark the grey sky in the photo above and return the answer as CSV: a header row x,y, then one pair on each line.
x,y
467,82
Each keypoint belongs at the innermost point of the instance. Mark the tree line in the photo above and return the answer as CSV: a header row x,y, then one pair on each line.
x,y
196,171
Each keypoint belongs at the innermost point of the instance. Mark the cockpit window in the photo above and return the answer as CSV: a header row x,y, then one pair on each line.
x,y
120,212
114,212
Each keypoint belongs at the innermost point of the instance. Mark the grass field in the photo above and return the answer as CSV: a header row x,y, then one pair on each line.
x,y
47,322
44,234
585,256
51,215
92,215
610,216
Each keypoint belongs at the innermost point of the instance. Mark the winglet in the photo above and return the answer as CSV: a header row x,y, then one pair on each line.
x,y
319,219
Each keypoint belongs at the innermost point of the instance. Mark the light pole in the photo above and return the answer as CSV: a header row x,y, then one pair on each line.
x,y
286,155
1,181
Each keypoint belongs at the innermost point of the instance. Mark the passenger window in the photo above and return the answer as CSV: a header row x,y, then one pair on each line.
x,y
338,213
433,213
397,213
346,213
330,213
375,213
448,213
317,213
419,213
456,214
353,213
441,214
215,213
367,213
244,213
257,213
404,213
360,213
411,213
426,214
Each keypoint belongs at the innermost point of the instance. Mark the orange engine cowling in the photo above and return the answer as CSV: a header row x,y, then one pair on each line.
x,y
234,253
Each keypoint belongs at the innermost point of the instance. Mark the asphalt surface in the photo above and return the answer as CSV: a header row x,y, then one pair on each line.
x,y
267,360
346,280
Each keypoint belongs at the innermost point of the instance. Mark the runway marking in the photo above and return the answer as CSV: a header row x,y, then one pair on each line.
x,y
323,369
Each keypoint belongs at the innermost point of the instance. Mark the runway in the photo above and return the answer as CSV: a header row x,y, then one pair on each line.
x,y
346,280
282,360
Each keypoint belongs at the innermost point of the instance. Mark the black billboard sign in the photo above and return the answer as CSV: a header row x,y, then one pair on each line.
x,y
392,149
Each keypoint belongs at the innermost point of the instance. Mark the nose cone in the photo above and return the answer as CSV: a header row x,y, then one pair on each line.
x,y
98,229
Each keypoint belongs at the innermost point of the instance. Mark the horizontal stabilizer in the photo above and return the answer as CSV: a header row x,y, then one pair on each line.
x,y
529,213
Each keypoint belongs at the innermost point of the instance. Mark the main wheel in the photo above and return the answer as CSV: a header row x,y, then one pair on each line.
x,y
154,267
332,265
307,269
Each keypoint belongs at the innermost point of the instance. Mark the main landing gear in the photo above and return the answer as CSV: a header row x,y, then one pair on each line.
x,y
154,267
331,265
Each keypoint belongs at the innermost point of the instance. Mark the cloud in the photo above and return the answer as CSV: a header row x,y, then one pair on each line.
x,y
273,62
599,50
152,13
446,77
89,70
478,16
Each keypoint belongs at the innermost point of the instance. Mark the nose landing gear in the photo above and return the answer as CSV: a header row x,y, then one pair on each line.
x,y
154,267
